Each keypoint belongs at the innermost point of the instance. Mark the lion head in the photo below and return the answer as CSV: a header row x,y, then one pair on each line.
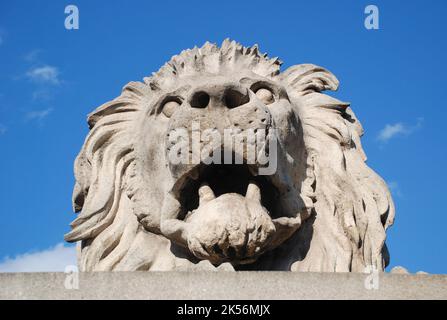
x,y
153,191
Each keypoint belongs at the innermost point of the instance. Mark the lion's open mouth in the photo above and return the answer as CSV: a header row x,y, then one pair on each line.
x,y
229,213
222,179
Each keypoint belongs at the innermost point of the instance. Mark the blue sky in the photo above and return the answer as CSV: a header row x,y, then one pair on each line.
x,y
51,78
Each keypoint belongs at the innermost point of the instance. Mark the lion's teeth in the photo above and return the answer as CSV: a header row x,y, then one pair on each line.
x,y
206,194
253,192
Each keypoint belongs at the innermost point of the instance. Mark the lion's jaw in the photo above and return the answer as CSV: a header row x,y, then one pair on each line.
x,y
234,227
230,228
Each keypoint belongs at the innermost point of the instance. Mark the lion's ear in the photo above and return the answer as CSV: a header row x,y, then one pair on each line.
x,y
308,78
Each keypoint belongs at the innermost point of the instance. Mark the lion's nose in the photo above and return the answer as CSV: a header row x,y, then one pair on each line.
x,y
218,96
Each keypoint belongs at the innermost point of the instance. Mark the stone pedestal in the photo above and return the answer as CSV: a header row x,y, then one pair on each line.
x,y
221,285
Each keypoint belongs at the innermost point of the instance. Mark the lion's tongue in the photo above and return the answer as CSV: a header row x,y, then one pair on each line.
x,y
206,194
230,226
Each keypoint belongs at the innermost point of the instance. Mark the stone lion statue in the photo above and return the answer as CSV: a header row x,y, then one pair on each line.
x,y
321,208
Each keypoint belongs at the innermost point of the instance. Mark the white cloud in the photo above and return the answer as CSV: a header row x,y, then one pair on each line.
x,y
52,259
38,115
3,129
45,74
393,130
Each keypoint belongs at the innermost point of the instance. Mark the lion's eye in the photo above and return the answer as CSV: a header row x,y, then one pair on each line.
x,y
169,107
265,95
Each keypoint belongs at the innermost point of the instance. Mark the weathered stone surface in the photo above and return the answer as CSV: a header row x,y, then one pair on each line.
x,y
305,201
221,285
